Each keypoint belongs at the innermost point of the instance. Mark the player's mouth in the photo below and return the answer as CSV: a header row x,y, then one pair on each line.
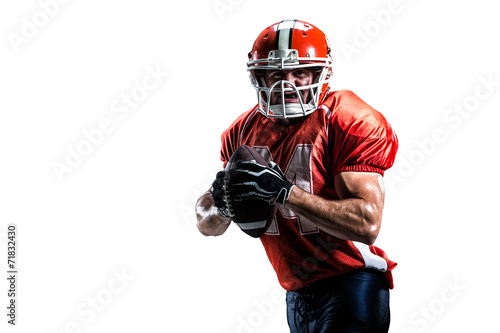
x,y
291,97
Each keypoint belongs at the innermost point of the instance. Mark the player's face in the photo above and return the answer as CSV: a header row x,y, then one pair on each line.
x,y
299,77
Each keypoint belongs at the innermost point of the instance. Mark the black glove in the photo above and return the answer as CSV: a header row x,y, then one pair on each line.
x,y
250,180
219,194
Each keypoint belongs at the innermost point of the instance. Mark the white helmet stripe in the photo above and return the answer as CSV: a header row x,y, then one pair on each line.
x,y
284,34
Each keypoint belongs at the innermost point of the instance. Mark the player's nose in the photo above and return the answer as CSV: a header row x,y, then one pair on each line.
x,y
290,77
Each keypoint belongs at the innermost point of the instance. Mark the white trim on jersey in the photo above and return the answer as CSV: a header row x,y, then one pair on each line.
x,y
327,109
371,260
250,116
328,115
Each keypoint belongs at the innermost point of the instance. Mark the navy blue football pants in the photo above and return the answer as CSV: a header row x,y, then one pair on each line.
x,y
348,303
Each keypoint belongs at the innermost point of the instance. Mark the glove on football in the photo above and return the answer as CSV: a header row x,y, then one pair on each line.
x,y
219,193
250,180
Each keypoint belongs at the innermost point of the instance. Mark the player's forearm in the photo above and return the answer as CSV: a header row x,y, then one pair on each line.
x,y
210,222
350,219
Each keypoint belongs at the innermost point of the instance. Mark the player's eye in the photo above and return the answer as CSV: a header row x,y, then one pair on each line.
x,y
276,75
300,72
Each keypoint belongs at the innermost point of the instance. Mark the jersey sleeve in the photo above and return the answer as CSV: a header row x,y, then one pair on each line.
x,y
362,138
230,138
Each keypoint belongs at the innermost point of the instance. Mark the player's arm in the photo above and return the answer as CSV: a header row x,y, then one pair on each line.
x,y
356,216
210,222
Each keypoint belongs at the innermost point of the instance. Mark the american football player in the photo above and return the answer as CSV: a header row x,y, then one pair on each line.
x,y
329,150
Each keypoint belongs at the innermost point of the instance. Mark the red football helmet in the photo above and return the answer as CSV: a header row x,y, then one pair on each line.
x,y
290,44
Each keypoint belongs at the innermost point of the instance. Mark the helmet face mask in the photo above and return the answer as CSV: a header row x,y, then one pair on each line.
x,y
287,46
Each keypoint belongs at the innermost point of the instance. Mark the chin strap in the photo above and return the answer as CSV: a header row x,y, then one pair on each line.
x,y
292,110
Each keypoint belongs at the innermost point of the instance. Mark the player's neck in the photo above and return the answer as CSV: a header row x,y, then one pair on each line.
x,y
291,121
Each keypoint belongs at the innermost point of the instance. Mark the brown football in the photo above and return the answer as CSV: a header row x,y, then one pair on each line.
x,y
253,216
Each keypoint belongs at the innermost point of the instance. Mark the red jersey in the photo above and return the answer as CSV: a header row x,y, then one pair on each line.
x,y
343,134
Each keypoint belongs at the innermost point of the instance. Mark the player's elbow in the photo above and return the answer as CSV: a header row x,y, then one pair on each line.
x,y
212,230
205,232
208,225
371,226
370,235
209,222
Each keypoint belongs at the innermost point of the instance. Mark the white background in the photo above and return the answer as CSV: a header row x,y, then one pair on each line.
x,y
126,208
